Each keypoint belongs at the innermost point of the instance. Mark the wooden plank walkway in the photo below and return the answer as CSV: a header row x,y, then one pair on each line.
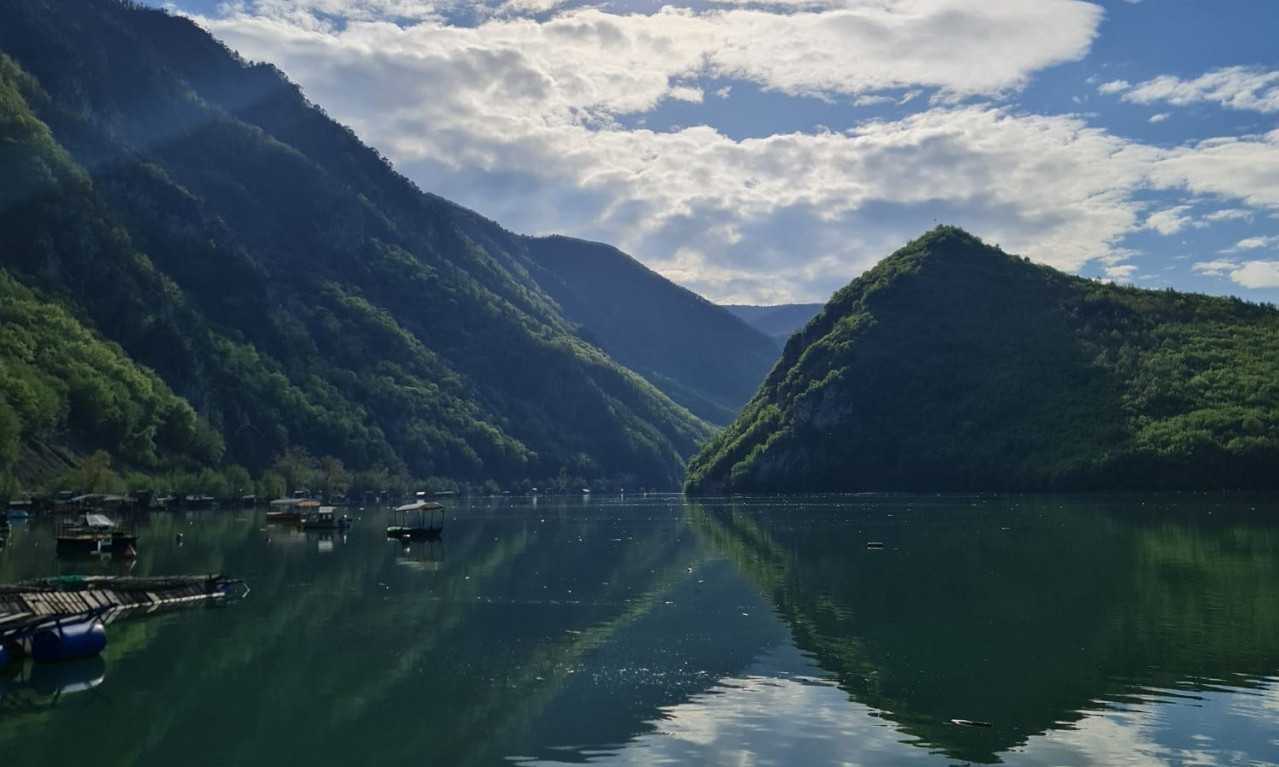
x,y
55,597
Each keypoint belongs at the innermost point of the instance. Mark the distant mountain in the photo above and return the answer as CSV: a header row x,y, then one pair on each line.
x,y
697,353
777,322
954,366
278,275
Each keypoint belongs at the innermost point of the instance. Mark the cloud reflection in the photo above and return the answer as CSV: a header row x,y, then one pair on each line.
x,y
781,712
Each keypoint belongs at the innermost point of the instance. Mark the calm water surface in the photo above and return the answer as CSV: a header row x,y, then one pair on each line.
x,y
1120,631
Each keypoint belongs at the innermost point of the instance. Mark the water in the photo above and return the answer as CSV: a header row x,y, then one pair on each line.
x,y
1139,630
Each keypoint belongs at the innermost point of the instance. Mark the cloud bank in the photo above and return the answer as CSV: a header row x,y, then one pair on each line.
x,y
533,112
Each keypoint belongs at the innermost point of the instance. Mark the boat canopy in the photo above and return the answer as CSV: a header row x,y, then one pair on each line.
x,y
420,506
295,502
94,520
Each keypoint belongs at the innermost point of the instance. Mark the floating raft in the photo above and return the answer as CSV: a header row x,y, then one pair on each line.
x,y
109,597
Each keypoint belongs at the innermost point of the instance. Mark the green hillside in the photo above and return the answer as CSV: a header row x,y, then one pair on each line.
x,y
697,353
282,279
954,366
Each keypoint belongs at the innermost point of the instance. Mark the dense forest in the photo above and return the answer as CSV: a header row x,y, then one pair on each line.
x,y
266,287
952,365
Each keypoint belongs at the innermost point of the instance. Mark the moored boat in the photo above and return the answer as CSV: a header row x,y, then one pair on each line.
x,y
416,520
291,509
96,534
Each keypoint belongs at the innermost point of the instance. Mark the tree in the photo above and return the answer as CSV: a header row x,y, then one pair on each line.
x,y
333,477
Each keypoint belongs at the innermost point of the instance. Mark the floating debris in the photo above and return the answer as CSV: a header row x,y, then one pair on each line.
x,y
874,545
969,723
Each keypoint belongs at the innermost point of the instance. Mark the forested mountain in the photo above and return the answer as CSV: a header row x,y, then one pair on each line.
x,y
953,366
199,215
777,322
700,355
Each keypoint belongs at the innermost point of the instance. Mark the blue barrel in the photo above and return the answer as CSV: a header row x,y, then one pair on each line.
x,y
82,639
4,656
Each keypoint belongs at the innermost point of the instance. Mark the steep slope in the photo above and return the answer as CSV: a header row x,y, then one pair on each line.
x,y
954,366
277,274
694,351
777,322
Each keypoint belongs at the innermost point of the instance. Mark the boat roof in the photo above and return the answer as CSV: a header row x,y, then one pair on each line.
x,y
294,502
420,506
95,520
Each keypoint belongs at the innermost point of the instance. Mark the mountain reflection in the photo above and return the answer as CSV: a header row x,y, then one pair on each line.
x,y
672,631
1027,613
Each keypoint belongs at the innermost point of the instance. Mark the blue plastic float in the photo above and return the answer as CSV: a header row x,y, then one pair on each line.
x,y
68,639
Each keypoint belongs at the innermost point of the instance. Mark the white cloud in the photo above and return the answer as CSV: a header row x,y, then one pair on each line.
x,y
1243,168
1250,274
1218,268
526,121
1161,117
1257,274
1169,220
1242,88
1121,272
1229,214
1254,243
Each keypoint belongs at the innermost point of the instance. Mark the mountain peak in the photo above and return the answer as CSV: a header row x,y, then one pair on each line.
x,y
952,365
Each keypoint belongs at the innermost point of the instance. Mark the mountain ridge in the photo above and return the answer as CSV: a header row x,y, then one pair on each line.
x,y
700,355
778,322
952,366
280,277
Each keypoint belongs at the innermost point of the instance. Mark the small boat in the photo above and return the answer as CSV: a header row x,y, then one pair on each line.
x,y
96,534
325,518
291,509
413,521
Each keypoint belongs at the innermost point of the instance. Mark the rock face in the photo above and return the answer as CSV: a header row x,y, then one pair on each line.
x,y
954,366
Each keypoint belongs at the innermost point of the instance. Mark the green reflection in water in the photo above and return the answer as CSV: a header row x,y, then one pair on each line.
x,y
1022,612
353,649
570,631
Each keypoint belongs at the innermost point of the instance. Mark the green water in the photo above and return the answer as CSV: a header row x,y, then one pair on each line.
x,y
1135,630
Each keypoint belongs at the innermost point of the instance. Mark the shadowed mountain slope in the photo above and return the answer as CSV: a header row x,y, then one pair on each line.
x,y
279,276
699,354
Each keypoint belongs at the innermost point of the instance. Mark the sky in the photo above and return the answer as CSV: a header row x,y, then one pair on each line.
x,y
770,152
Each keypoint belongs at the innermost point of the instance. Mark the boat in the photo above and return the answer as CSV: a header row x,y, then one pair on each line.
x,y
94,533
291,509
325,518
416,520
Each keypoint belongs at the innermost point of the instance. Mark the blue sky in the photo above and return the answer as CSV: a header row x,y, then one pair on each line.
x,y
768,152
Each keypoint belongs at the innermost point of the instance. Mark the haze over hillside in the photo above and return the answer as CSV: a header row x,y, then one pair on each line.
x,y
696,352
777,322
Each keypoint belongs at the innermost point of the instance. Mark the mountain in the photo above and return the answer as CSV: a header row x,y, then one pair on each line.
x,y
777,322
954,366
198,213
697,353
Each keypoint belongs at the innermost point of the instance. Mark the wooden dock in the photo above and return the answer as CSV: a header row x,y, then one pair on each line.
x,y
111,597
